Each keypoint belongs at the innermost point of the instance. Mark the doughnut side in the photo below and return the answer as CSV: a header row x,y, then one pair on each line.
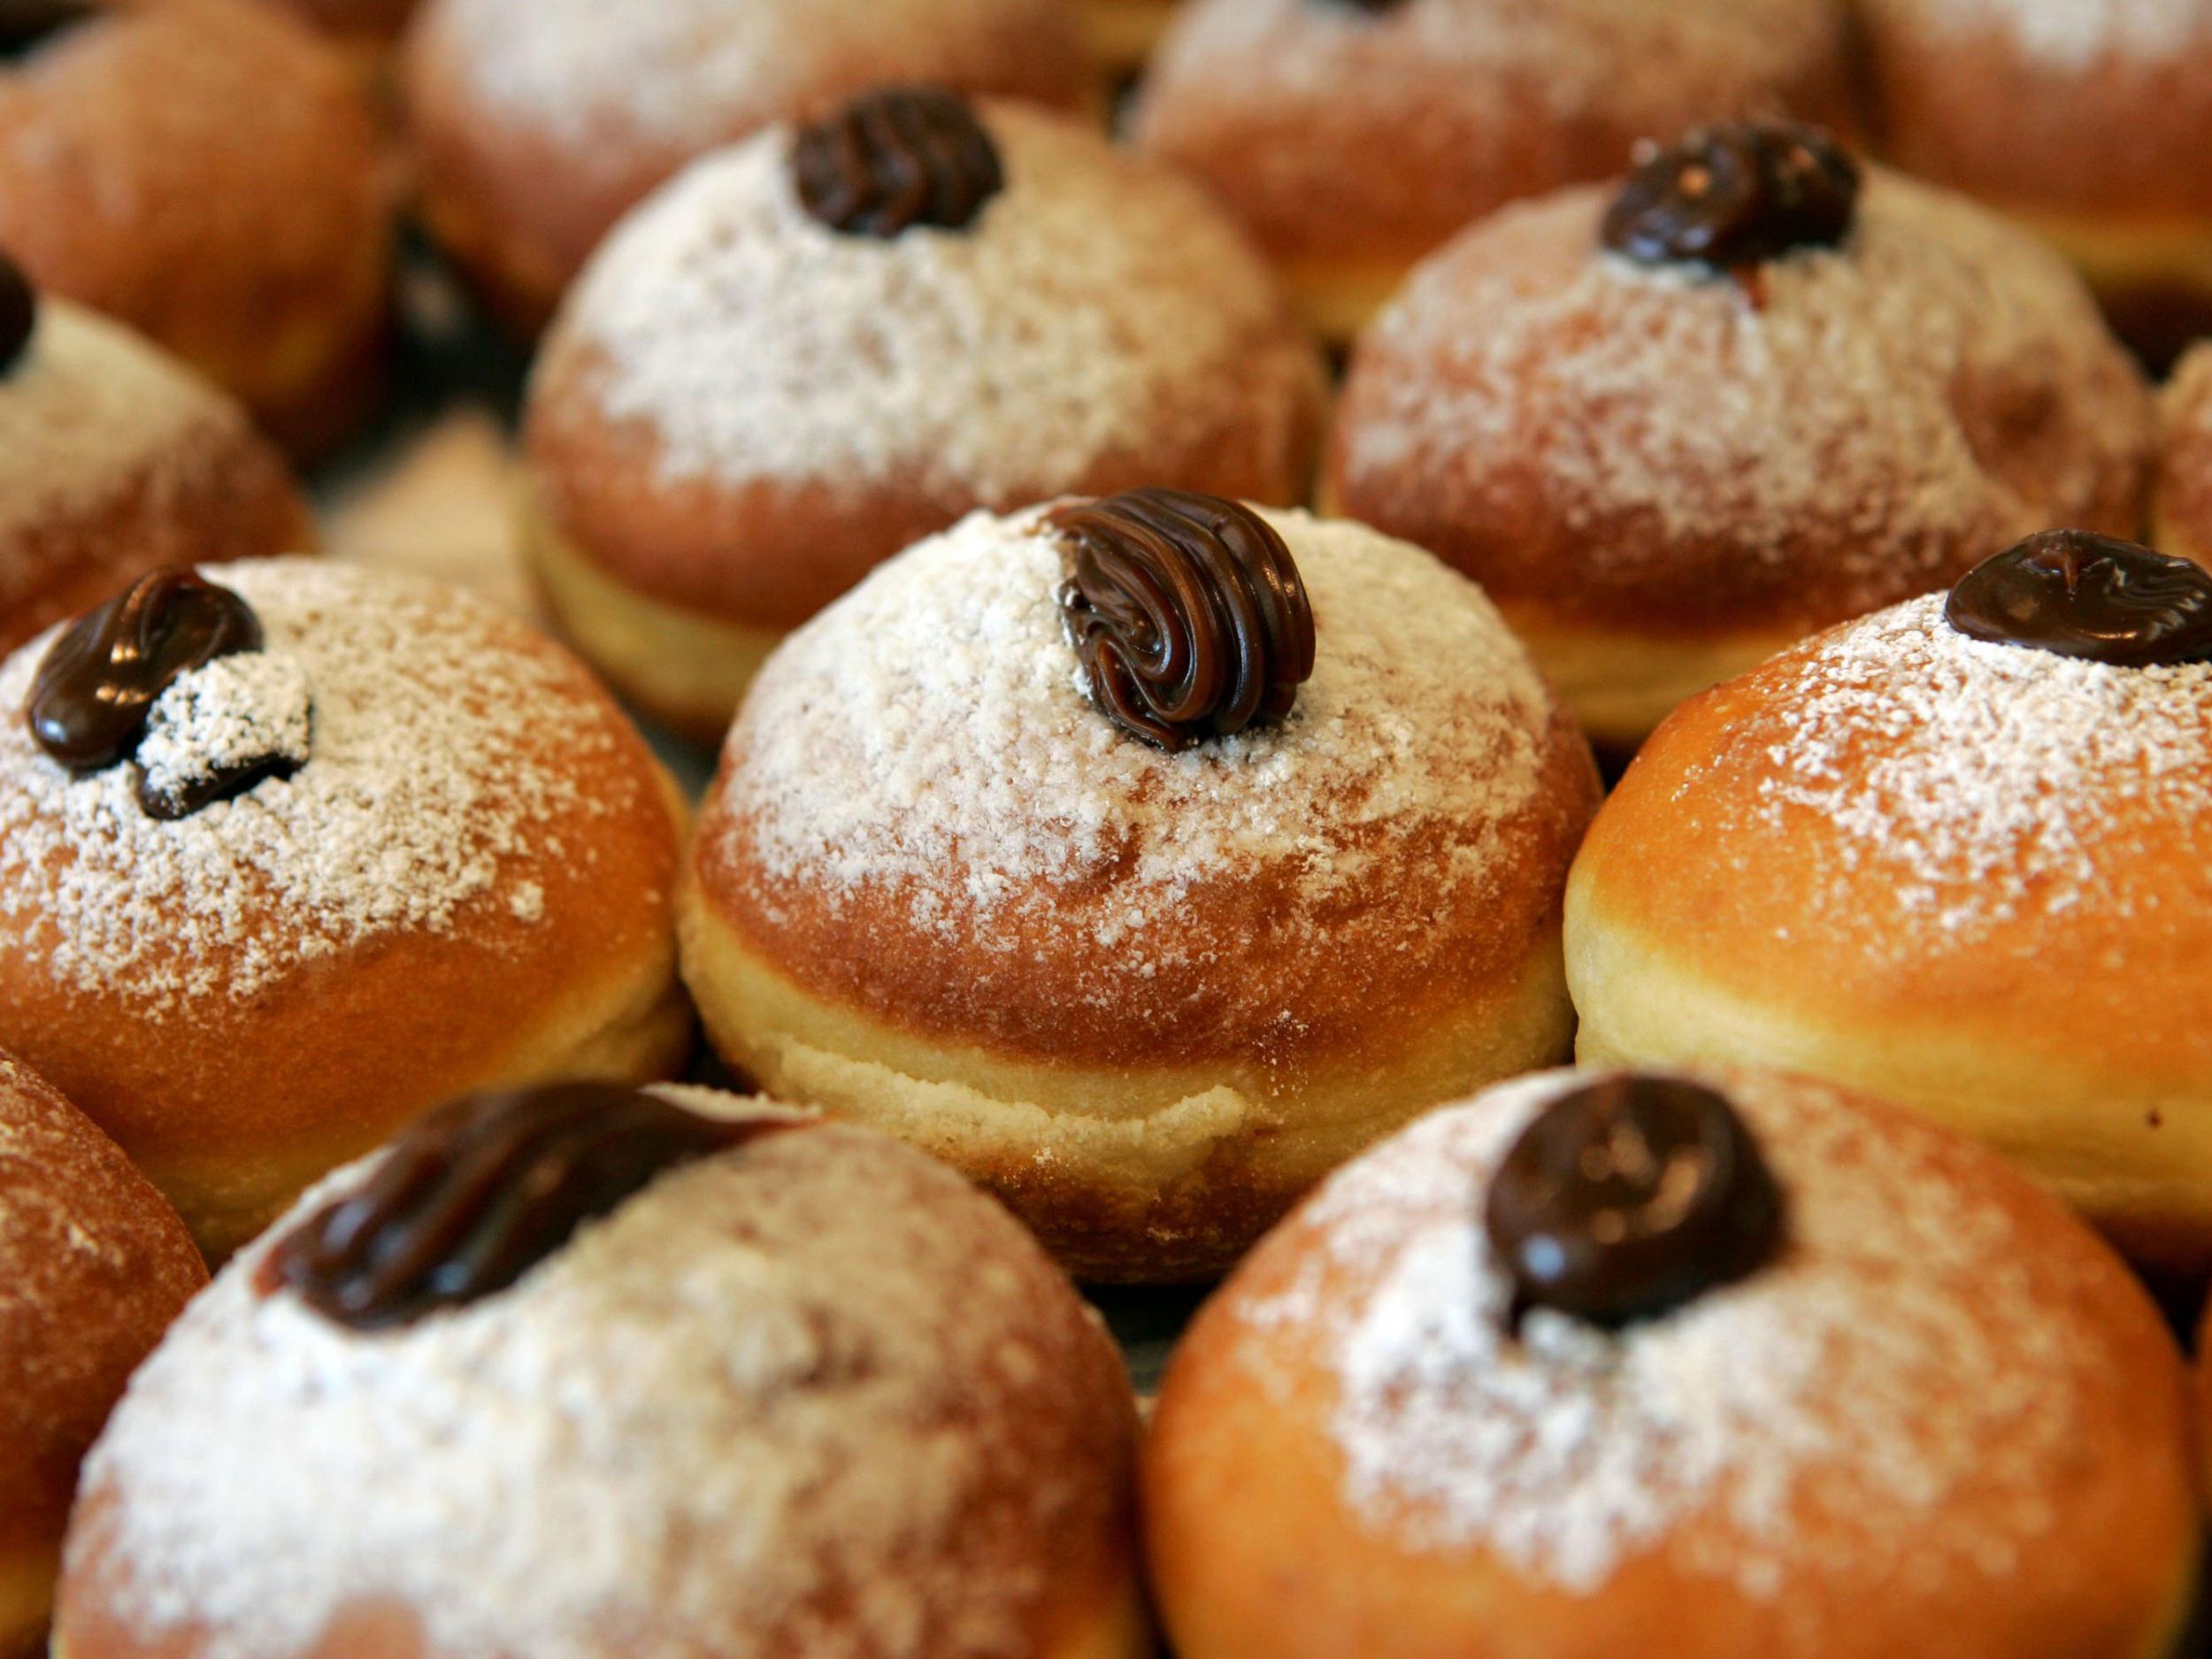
x,y
96,1266
1253,1461
1744,898
2184,515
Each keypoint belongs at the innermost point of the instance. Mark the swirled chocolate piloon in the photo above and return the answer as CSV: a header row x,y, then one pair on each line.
x,y
1188,613
2091,597
895,159
1735,195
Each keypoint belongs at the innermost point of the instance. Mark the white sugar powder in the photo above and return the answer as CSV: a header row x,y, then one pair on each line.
x,y
428,772
1898,1345
1098,307
2064,34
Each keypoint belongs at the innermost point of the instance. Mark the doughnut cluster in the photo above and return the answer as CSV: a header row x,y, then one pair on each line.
x,y
1324,829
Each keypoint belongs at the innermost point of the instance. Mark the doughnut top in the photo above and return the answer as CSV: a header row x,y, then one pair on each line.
x,y
428,774
478,1193
87,407
930,735
897,159
1095,308
1735,195
1962,783
1186,612
1629,1198
816,1396
2066,34
2090,596
1876,418
1905,1348
683,73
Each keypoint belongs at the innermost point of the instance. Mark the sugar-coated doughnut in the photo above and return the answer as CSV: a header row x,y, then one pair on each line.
x,y
753,398
655,1376
451,864
537,123
2183,517
1147,996
1936,1404
2086,120
1958,854
1666,466
209,171
115,458
1354,136
94,1265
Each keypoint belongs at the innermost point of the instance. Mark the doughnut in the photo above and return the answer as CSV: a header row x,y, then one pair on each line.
x,y
114,460
96,1264
673,1372
759,393
2183,521
1956,854
1743,1358
355,21
539,123
1352,137
2088,120
1143,858
291,851
1673,429
208,171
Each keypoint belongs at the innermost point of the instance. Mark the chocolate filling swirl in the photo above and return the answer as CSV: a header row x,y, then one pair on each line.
x,y
1187,612
1630,1197
483,1190
897,159
19,313
1736,194
100,678
2090,596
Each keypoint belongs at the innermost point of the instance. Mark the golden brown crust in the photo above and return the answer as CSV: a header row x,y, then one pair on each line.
x,y
254,249
2185,473
2110,132
1331,132
1259,1552
353,19
1032,986
96,1264
520,202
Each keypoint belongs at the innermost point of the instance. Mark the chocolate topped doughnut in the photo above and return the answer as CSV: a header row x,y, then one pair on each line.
x,y
541,122
450,865
806,1391
1666,469
1938,1402
1149,992
788,365
1965,866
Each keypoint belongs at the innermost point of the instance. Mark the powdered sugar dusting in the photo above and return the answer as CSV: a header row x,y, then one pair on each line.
x,y
931,729
686,73
1981,779
1099,307
234,712
2065,33
1899,1353
88,405
426,776
744,1415
1940,382
1580,55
